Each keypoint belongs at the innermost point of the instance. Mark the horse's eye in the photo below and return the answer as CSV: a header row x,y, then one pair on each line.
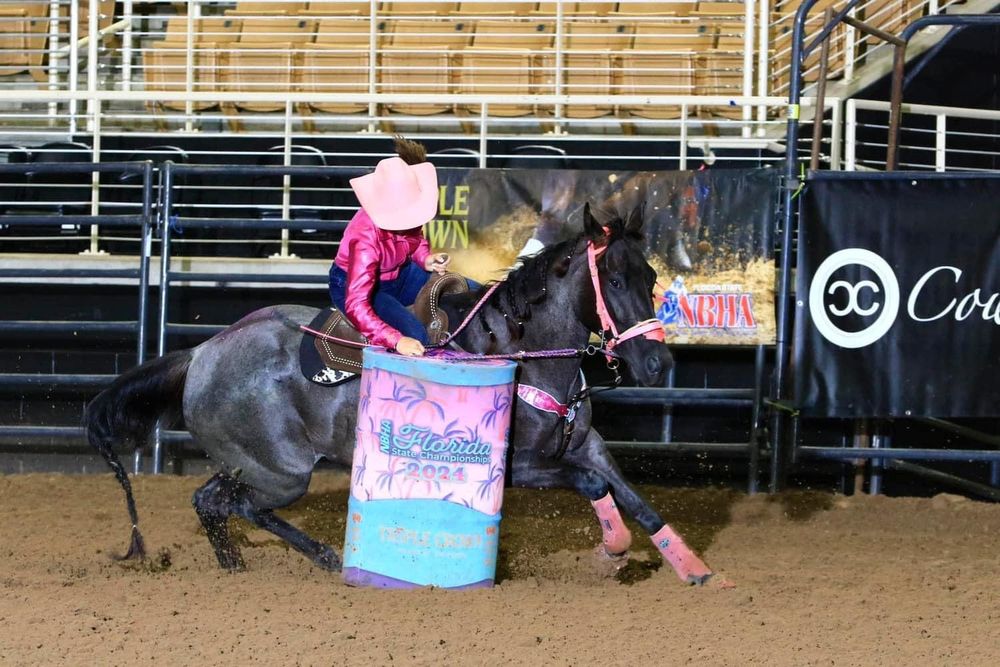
x,y
614,282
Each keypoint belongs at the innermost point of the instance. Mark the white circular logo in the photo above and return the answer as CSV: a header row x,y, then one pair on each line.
x,y
819,289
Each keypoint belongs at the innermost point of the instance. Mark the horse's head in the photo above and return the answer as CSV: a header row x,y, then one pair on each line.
x,y
623,289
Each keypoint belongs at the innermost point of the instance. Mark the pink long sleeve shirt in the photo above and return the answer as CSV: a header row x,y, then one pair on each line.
x,y
370,255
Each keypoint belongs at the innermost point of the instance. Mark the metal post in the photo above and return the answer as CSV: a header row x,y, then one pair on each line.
x,y
836,130
74,62
667,425
791,185
820,103
372,56
851,135
682,158
558,111
748,40
93,26
895,106
995,473
941,142
161,344
753,474
763,62
127,45
877,465
146,246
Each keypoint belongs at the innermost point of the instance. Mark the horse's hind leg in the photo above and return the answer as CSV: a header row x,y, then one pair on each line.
x,y
321,554
213,502
223,495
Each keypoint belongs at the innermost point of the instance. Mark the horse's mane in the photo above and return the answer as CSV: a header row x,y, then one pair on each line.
x,y
527,285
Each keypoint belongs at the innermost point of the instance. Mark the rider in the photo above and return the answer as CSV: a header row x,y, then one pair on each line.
x,y
384,259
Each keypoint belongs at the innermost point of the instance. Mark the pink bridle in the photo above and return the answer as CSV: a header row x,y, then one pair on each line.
x,y
650,329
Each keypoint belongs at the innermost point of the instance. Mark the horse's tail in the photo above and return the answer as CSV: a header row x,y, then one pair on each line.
x,y
125,414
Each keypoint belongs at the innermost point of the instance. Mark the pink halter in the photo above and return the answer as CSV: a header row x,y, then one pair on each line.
x,y
650,329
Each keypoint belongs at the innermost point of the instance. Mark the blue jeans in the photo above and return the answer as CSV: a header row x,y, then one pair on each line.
x,y
390,298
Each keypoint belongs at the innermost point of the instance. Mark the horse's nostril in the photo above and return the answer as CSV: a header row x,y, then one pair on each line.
x,y
653,365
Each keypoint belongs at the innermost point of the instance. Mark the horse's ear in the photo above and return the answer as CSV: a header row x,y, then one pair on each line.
x,y
635,220
591,227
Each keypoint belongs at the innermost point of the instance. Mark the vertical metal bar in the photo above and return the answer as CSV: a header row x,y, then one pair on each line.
x,y
682,153
53,107
95,178
763,63
127,45
161,344
836,131
146,245
877,466
941,142
748,56
851,132
994,473
895,106
819,108
791,184
753,472
189,72
850,46
483,110
286,181
73,65
667,424
560,45
372,57
93,26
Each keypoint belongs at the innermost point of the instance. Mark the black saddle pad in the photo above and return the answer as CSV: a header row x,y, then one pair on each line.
x,y
313,368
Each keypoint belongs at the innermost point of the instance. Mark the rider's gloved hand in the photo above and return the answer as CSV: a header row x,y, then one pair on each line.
x,y
410,347
438,262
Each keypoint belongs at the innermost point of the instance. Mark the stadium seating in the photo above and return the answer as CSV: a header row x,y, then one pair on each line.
x,y
421,59
337,62
266,58
661,62
166,61
505,59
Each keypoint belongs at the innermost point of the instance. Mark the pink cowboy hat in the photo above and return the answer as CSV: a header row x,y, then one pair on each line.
x,y
397,195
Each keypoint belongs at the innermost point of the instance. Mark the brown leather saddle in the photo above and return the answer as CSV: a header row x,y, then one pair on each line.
x,y
329,362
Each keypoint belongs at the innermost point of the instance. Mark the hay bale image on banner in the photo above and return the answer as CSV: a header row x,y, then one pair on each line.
x,y
709,236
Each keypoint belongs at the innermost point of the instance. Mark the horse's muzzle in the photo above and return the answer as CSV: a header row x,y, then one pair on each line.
x,y
653,367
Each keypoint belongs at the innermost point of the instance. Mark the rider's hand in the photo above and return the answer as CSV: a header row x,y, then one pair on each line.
x,y
411,347
438,262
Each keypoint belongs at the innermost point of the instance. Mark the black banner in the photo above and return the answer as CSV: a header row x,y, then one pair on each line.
x,y
898,296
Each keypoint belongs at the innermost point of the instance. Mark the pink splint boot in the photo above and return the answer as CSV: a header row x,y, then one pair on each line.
x,y
617,538
686,564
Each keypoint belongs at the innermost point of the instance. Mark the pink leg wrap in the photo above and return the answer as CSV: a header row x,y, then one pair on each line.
x,y
688,567
617,538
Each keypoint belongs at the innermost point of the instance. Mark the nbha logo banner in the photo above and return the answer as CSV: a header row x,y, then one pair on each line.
x,y
898,296
708,236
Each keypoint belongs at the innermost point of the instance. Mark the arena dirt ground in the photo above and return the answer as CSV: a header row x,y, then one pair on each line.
x,y
821,580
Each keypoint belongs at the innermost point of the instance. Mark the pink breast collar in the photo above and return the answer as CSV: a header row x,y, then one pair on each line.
x,y
541,400
546,402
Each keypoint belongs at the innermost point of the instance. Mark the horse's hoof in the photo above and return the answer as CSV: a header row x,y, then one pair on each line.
x,y
609,564
328,560
232,563
699,579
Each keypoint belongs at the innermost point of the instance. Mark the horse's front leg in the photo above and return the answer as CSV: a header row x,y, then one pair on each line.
x,y
593,456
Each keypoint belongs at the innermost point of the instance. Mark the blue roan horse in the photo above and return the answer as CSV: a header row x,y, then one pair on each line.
x,y
249,408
